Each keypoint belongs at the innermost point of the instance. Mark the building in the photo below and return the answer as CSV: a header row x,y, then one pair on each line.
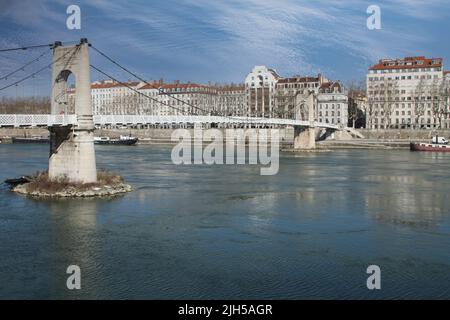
x,y
182,99
290,93
159,98
331,99
231,100
110,97
260,86
332,104
406,93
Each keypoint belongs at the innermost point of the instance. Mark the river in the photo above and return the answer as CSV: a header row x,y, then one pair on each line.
x,y
226,232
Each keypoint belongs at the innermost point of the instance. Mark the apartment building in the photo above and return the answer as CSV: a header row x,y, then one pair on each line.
x,y
332,103
290,93
260,85
231,100
406,93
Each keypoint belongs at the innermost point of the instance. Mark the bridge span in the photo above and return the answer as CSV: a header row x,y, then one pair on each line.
x,y
48,120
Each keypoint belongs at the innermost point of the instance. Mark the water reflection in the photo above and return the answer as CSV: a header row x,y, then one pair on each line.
x,y
227,232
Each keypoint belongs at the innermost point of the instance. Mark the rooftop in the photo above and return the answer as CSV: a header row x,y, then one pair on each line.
x,y
407,63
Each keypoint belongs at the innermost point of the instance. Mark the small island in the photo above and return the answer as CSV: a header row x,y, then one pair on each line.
x,y
39,185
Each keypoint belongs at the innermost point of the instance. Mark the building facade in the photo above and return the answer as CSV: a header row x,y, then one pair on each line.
x,y
231,100
406,93
260,86
290,93
332,104
158,98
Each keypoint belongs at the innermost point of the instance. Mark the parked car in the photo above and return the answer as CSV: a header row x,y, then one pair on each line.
x,y
439,140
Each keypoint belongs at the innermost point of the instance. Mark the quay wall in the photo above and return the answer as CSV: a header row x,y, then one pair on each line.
x,y
404,134
146,135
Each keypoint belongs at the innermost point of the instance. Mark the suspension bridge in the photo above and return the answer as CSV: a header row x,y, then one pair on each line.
x,y
72,151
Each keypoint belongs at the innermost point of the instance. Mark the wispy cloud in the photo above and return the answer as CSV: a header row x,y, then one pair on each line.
x,y
221,40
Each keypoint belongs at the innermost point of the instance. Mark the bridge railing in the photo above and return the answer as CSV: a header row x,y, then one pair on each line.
x,y
34,120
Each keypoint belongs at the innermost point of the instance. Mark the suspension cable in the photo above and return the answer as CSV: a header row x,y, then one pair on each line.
x,y
34,47
34,73
143,80
5,77
137,91
28,47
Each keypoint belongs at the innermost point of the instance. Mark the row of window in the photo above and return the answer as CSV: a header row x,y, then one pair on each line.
x,y
405,70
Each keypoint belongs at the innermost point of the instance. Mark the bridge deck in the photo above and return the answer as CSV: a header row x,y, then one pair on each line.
x,y
35,120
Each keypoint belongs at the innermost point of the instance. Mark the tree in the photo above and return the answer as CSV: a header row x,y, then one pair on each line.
x,y
390,94
437,101
30,105
356,92
419,105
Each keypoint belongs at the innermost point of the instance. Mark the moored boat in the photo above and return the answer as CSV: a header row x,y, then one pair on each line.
x,y
122,140
433,147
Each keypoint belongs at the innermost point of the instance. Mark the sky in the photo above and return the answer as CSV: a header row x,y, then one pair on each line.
x,y
221,40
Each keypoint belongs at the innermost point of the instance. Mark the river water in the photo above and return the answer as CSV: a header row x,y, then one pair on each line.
x,y
212,232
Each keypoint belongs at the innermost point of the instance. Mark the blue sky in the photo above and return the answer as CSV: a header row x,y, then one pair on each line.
x,y
221,40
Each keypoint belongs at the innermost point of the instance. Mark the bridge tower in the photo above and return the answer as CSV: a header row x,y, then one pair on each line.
x,y
305,137
72,153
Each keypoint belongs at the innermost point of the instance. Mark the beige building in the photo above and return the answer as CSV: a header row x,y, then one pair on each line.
x,y
406,93
290,93
231,100
260,86
157,98
332,104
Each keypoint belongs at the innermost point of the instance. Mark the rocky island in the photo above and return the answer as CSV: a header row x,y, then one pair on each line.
x,y
39,185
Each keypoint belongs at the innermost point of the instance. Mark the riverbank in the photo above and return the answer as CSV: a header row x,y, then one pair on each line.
x,y
373,139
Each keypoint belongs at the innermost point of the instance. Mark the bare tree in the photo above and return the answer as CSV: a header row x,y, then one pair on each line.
x,y
390,94
419,105
356,90
30,105
437,101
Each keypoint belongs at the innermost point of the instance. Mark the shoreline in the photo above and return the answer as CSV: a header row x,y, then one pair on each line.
x,y
374,139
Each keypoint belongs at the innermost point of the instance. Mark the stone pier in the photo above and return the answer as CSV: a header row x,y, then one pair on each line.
x,y
305,137
72,153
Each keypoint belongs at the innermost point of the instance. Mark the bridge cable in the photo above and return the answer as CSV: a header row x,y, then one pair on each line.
x,y
28,47
153,86
5,77
34,47
143,80
137,91
34,73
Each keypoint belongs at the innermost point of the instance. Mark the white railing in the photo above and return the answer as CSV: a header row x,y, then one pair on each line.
x,y
34,120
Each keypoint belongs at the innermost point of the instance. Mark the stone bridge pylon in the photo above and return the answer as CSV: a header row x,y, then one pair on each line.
x,y
305,137
72,153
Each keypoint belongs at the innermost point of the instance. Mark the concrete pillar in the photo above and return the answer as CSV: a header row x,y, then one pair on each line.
x,y
304,138
72,153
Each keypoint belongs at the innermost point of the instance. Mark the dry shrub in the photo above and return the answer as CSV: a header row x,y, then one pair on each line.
x,y
106,177
40,181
